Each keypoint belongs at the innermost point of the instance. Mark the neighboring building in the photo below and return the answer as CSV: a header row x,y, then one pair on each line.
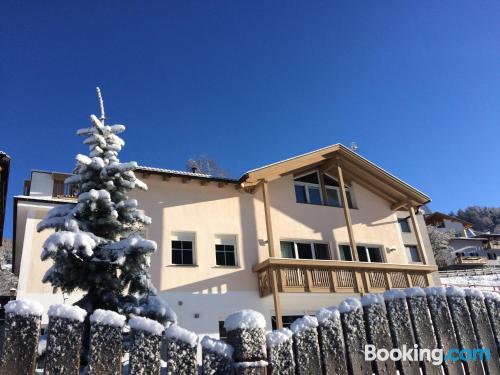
x,y
468,247
278,240
4,182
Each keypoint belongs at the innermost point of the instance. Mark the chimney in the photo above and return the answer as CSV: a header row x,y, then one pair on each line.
x,y
193,169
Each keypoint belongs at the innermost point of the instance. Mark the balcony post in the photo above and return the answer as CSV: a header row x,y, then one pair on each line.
x,y
416,229
347,214
269,226
272,254
276,298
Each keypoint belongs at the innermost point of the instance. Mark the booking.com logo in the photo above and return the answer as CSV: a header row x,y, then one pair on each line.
x,y
435,356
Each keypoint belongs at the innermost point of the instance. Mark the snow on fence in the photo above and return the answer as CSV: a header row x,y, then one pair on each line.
x,y
333,342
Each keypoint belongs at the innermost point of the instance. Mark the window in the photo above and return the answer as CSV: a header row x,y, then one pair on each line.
x,y
345,252
225,250
222,331
183,248
333,193
404,225
304,250
287,320
413,254
371,254
492,256
307,189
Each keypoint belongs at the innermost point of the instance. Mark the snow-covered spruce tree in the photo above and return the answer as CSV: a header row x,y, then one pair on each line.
x,y
96,247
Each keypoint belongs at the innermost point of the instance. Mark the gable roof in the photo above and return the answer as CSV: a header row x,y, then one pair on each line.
x,y
354,167
436,217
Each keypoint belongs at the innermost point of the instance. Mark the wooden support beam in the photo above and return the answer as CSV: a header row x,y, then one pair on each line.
x,y
186,179
396,206
165,177
347,214
416,229
276,299
269,225
221,184
203,182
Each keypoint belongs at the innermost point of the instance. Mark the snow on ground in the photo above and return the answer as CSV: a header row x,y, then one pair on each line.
x,y
481,282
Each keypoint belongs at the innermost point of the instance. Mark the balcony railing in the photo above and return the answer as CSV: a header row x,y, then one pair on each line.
x,y
470,260
493,245
331,276
62,190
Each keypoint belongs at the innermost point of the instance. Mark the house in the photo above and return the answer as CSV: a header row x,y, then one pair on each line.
x,y
4,181
468,247
284,239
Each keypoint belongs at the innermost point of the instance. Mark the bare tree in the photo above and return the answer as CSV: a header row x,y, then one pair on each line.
x,y
6,254
440,242
206,165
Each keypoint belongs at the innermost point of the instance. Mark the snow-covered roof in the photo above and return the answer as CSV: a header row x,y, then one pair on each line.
x,y
173,172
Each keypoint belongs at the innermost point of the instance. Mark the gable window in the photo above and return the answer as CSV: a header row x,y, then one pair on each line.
x,y
404,225
413,254
182,248
225,250
304,250
372,254
307,189
332,188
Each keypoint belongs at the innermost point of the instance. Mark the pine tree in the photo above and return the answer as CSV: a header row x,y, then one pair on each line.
x,y
97,247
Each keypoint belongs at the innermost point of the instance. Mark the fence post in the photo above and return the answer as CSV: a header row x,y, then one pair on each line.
x,y
106,343
280,352
64,339
22,329
492,302
353,327
331,342
216,357
400,325
246,334
443,326
182,348
422,327
463,326
378,331
483,330
306,345
145,352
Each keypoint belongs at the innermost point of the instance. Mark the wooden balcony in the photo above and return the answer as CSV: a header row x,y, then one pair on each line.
x,y
333,276
493,245
470,260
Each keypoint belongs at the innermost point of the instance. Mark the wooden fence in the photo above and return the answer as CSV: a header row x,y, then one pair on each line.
x,y
333,342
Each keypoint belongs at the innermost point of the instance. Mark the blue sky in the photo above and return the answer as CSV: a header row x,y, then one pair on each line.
x,y
415,83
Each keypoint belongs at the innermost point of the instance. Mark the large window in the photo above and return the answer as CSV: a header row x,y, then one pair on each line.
x,y
404,225
286,319
225,250
182,248
413,254
307,189
365,253
332,188
304,250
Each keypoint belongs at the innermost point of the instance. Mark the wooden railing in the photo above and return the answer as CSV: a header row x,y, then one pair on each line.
x,y
493,245
332,276
470,260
